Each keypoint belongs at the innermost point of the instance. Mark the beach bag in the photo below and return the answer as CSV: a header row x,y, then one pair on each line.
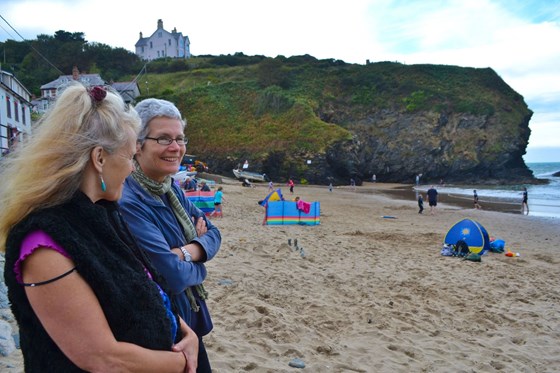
x,y
461,249
447,250
497,246
473,257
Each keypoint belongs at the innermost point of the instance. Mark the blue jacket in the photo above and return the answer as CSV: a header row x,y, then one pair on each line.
x,y
158,231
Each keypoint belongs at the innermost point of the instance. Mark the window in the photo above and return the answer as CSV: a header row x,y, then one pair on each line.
x,y
151,45
169,41
23,114
159,34
8,107
16,111
12,136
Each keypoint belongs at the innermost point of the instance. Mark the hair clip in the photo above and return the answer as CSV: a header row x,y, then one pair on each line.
x,y
97,93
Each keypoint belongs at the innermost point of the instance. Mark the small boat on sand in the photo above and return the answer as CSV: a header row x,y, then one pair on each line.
x,y
247,175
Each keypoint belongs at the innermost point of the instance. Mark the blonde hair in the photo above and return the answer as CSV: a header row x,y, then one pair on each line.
x,y
47,168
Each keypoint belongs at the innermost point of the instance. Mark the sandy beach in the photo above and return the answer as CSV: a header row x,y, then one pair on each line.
x,y
371,294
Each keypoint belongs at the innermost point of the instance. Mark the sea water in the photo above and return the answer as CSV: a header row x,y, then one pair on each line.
x,y
544,199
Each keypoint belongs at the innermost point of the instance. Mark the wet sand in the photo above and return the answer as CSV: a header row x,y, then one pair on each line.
x,y
407,193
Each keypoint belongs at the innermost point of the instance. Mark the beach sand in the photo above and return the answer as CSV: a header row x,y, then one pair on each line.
x,y
371,294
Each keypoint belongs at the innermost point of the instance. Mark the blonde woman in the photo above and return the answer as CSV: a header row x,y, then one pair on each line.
x,y
84,295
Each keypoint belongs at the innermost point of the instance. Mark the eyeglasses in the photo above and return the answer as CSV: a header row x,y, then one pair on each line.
x,y
164,140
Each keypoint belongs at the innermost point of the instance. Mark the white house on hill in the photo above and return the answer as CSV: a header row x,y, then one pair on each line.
x,y
15,112
163,44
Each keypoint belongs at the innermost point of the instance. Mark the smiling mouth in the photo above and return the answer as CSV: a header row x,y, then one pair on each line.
x,y
170,159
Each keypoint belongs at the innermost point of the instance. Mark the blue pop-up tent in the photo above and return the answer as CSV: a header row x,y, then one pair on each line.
x,y
470,231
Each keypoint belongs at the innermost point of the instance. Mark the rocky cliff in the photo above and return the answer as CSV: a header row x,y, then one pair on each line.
x,y
457,147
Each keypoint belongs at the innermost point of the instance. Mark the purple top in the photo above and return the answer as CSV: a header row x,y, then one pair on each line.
x,y
31,242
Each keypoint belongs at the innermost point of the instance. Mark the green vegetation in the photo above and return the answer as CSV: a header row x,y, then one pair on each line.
x,y
37,62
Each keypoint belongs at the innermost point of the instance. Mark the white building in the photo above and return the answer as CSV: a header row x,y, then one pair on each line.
x,y
128,90
50,90
15,112
163,44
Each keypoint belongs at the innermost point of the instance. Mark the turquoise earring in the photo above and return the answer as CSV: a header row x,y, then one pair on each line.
x,y
103,186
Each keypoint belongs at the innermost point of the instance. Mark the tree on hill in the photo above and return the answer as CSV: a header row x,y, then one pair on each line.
x,y
39,61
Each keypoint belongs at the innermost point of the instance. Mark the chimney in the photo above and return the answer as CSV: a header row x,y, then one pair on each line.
x,y
141,35
75,73
159,24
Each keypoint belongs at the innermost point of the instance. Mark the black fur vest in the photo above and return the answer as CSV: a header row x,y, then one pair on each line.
x,y
108,263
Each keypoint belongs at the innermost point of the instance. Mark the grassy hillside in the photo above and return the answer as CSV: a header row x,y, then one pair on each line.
x,y
300,106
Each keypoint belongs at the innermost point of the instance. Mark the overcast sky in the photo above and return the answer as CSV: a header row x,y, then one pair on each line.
x,y
519,39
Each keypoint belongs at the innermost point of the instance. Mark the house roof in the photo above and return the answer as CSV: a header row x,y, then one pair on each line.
x,y
125,86
87,79
141,42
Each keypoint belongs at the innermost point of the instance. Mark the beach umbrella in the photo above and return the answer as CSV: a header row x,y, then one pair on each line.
x,y
471,232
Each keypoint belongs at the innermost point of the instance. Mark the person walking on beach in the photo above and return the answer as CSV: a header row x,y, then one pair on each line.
x,y
524,203
291,185
353,184
476,204
432,199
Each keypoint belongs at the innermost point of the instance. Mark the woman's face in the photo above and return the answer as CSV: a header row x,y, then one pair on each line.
x,y
156,160
118,166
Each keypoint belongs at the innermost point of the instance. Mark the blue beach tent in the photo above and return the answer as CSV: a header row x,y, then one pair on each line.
x,y
470,231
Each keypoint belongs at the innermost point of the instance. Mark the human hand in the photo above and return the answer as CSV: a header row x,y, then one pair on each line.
x,y
200,225
188,346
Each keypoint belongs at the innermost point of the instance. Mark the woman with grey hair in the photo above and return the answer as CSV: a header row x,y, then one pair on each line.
x,y
173,232
85,296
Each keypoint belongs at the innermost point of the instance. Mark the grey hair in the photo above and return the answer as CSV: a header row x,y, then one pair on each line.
x,y
151,108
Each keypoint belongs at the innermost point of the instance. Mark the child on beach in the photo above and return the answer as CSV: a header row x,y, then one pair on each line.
x,y
291,185
420,203
218,198
476,205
